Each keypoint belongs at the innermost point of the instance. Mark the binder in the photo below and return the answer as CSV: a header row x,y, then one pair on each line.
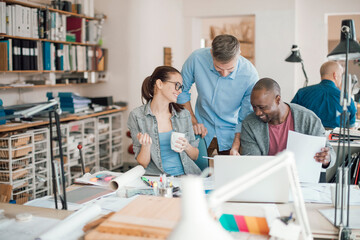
x,y
2,17
16,54
46,55
39,55
3,56
9,20
59,59
34,56
25,55
8,65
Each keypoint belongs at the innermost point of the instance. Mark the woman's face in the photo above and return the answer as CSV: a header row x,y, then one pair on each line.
x,y
172,87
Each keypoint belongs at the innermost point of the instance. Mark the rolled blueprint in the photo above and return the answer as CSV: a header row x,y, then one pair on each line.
x,y
127,177
70,224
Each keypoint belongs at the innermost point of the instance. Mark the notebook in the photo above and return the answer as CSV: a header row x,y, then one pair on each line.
x,y
274,188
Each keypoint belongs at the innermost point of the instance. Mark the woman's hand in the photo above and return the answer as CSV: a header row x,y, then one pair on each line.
x,y
181,144
144,139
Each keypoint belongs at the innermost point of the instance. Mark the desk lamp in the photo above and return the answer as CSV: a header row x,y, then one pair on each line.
x,y
347,49
196,221
296,57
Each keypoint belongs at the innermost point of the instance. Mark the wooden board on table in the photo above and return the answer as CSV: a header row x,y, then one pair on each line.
x,y
148,217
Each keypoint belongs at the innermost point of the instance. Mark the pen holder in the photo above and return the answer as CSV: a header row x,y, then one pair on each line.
x,y
165,192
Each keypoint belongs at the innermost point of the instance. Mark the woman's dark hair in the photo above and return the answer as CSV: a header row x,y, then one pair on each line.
x,y
148,86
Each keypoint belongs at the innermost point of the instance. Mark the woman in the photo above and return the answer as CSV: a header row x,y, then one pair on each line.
x,y
151,126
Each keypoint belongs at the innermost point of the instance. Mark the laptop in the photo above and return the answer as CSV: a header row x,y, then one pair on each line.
x,y
274,188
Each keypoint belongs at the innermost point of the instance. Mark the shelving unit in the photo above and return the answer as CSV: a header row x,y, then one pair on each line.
x,y
41,162
110,141
82,59
25,157
50,86
17,165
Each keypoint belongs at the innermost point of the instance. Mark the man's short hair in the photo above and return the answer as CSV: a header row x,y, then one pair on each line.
x,y
225,47
269,85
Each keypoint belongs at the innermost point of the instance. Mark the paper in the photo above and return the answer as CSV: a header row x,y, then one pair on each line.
x,y
70,224
354,220
113,180
320,193
14,230
304,148
128,177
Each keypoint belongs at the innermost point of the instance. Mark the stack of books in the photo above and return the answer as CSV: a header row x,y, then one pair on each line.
x,y
70,102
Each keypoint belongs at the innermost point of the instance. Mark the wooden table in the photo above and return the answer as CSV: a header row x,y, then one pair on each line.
x,y
321,228
11,210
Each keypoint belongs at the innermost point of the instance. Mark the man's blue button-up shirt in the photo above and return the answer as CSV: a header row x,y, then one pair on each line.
x,y
223,102
324,100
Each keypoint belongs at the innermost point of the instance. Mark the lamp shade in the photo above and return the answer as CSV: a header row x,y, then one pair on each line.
x,y
295,55
339,52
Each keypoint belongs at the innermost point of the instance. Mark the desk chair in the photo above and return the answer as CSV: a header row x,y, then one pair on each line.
x,y
201,162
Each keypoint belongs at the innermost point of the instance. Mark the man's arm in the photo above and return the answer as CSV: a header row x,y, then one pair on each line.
x,y
199,128
235,148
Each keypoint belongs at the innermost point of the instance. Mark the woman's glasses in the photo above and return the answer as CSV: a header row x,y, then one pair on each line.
x,y
178,85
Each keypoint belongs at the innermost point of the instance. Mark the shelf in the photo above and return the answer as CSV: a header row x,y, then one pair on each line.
x,y
50,9
52,86
8,127
2,35
45,71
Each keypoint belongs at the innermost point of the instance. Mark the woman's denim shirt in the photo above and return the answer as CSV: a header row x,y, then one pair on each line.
x,y
142,120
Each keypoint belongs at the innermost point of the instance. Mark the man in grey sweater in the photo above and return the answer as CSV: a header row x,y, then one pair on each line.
x,y
265,131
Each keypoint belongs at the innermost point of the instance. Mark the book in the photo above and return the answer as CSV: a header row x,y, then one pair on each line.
x,y
74,25
8,65
3,56
46,55
100,54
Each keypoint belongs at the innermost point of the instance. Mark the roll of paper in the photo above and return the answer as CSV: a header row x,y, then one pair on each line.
x,y
127,177
72,223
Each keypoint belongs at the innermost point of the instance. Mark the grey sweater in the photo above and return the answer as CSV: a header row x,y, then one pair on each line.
x,y
255,133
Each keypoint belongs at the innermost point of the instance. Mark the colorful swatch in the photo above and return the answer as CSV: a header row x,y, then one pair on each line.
x,y
237,223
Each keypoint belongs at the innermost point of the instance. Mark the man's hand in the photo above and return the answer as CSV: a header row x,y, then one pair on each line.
x,y
323,157
200,129
234,152
144,139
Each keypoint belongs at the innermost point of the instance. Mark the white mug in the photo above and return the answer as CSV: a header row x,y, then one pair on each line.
x,y
174,137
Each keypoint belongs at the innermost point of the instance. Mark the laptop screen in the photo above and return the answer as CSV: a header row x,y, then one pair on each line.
x,y
274,188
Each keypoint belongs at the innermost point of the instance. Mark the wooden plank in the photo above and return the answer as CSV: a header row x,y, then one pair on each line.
x,y
147,217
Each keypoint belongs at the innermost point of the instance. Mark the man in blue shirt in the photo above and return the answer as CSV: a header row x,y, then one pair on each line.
x,y
224,81
324,98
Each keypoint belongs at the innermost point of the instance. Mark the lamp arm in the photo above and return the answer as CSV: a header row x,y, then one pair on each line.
x,y
306,78
285,159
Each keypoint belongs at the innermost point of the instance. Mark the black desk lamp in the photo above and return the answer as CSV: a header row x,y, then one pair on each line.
x,y
296,57
347,49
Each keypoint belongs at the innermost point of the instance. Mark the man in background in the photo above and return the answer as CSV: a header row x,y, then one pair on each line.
x,y
265,131
324,98
224,81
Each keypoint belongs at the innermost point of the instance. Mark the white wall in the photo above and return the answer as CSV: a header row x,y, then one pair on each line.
x,y
313,30
274,33
135,33
278,25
